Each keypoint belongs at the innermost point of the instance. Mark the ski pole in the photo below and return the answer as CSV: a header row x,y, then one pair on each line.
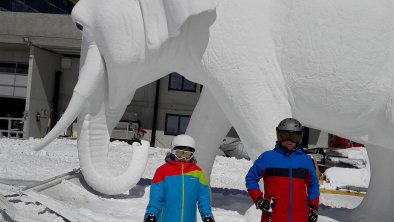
x,y
272,204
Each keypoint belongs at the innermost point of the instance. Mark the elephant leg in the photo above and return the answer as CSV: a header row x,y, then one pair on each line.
x,y
377,204
208,126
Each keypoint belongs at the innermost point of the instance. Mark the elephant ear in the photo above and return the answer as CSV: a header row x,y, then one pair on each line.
x,y
164,18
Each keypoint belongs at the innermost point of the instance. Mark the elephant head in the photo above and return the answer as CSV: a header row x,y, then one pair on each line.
x,y
124,41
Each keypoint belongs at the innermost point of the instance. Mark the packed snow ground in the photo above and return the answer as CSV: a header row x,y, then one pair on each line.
x,y
19,167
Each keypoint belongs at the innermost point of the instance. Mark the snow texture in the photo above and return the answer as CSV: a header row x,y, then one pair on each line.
x,y
21,167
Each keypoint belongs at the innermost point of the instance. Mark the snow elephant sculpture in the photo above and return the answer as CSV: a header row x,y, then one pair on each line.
x,y
328,63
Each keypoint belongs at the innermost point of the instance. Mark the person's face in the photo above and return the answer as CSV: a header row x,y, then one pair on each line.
x,y
288,139
288,144
183,154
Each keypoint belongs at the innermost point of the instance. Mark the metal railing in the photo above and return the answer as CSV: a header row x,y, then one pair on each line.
x,y
14,128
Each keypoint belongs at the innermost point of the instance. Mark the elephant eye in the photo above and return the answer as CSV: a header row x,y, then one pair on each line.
x,y
79,26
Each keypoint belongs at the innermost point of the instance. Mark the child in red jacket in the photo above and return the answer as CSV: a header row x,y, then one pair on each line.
x,y
291,187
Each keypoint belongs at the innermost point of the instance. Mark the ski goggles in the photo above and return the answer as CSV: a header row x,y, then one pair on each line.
x,y
183,154
294,137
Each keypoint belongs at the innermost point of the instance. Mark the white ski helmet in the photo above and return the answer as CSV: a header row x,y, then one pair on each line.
x,y
183,140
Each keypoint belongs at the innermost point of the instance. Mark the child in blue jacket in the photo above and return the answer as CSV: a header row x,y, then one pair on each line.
x,y
178,186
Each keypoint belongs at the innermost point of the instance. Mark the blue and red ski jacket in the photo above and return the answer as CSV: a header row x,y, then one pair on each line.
x,y
177,187
290,177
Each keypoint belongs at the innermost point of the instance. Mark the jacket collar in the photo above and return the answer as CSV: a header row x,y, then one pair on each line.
x,y
178,164
280,149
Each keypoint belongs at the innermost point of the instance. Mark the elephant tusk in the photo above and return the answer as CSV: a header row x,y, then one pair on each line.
x,y
74,108
90,77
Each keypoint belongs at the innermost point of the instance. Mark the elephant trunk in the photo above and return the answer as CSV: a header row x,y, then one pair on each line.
x,y
92,152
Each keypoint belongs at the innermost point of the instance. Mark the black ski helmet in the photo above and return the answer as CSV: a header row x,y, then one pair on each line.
x,y
290,125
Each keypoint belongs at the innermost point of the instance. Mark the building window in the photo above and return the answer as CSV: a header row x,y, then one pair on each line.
x,y
13,79
180,83
176,124
7,67
20,68
42,6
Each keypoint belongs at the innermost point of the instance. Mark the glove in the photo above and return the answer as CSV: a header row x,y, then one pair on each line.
x,y
265,205
150,218
312,215
208,219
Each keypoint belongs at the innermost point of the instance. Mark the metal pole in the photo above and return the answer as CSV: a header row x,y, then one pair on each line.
x,y
155,112
9,128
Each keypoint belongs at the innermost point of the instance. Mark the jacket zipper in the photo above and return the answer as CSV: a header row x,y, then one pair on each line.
x,y
183,193
161,215
291,189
